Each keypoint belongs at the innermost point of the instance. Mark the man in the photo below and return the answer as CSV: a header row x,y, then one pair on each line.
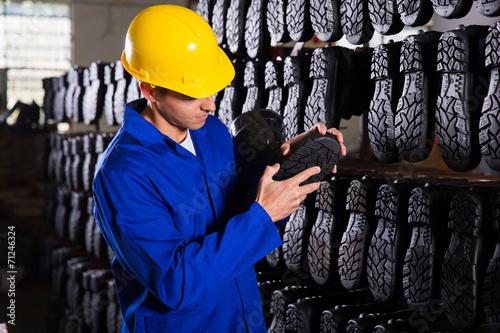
x,y
166,191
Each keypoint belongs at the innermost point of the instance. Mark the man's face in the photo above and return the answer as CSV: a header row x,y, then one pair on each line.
x,y
183,111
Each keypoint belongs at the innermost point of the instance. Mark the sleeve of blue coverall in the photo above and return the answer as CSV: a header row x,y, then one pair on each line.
x,y
140,230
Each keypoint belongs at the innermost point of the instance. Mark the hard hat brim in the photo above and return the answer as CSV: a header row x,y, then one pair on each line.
x,y
203,87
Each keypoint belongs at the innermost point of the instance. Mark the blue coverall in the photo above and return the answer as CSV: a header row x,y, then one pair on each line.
x,y
184,245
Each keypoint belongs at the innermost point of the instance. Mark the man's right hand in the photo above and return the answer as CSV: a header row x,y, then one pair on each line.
x,y
282,198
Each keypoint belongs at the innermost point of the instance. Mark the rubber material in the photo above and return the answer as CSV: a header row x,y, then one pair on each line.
x,y
414,120
489,124
314,149
383,105
461,65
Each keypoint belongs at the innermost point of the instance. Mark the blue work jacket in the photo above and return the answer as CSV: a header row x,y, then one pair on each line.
x,y
184,244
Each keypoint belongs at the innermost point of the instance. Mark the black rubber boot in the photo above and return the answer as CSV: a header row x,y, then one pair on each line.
x,y
235,26
257,137
355,21
325,20
463,89
273,77
331,221
414,122
489,123
232,96
277,20
388,87
314,149
257,39
385,17
415,12
298,20
390,240
297,85
253,80
452,8
360,203
466,259
429,239
487,7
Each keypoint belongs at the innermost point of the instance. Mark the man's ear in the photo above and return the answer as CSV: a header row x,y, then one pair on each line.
x,y
147,91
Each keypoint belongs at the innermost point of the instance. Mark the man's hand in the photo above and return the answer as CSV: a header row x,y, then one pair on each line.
x,y
321,128
282,198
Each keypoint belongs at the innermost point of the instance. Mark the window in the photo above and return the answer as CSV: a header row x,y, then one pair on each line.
x,y
35,43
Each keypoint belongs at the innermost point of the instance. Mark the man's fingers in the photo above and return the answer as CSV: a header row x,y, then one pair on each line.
x,y
304,175
271,170
337,133
308,188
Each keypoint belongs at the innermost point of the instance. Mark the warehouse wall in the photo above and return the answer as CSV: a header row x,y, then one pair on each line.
x,y
473,17
99,27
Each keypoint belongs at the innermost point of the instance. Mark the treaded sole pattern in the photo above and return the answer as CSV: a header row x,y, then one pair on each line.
x,y
381,128
298,21
456,126
316,107
355,21
313,149
295,239
487,7
460,289
489,124
382,251
491,289
352,251
293,118
418,269
385,17
414,140
325,19
276,21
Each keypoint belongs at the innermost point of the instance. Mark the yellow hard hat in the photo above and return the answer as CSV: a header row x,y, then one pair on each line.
x,y
175,48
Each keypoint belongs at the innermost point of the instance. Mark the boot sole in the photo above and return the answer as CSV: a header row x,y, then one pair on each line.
x,y
298,21
295,239
460,285
381,128
276,21
415,13
382,261
294,80
313,149
415,110
322,252
354,243
457,126
487,7
491,289
451,8
325,20
355,21
489,132
385,17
